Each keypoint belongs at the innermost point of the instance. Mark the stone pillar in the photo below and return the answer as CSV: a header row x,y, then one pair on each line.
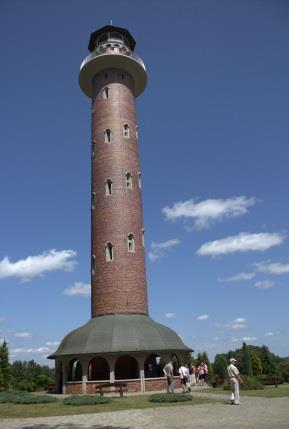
x,y
111,362
65,370
141,361
84,365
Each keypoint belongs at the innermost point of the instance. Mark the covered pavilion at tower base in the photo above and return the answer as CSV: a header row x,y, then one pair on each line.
x,y
128,347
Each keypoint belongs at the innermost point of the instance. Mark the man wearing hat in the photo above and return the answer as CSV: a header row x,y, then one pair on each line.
x,y
235,378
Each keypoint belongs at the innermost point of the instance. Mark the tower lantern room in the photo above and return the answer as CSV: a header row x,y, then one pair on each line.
x,y
112,47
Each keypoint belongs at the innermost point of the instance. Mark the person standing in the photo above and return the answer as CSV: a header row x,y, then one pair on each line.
x,y
183,371
169,374
235,378
193,380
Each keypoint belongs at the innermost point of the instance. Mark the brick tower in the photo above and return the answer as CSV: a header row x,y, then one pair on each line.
x,y
120,341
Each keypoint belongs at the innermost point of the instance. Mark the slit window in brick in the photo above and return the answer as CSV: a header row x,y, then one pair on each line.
x,y
109,252
105,92
128,180
92,264
143,237
126,131
93,200
107,136
130,243
108,187
139,179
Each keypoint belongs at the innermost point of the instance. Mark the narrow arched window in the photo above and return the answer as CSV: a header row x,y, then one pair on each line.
x,y
142,237
105,92
109,252
136,132
139,179
108,187
128,178
105,75
130,243
93,148
92,105
92,200
92,264
126,131
107,136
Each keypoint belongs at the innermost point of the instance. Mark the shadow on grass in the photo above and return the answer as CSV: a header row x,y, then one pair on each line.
x,y
71,426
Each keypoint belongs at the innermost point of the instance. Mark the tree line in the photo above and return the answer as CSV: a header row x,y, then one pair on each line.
x,y
23,375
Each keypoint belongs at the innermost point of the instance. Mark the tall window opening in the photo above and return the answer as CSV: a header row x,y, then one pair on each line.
x,y
105,93
93,148
107,136
109,252
126,131
108,187
139,180
142,237
136,132
128,177
92,264
130,243
92,200
105,75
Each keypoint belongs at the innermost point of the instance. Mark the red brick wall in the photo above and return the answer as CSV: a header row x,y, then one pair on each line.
x,y
73,388
118,286
160,384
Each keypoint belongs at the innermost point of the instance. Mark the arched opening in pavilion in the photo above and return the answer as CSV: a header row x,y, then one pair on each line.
x,y
126,368
98,369
75,370
153,367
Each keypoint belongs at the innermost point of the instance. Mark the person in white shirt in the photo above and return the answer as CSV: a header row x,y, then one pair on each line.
x,y
184,374
234,378
169,374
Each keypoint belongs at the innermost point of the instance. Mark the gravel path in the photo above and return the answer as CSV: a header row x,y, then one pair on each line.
x,y
253,413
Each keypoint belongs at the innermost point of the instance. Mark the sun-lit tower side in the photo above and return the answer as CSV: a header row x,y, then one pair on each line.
x,y
112,76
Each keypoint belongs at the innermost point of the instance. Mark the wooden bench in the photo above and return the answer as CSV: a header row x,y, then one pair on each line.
x,y
118,387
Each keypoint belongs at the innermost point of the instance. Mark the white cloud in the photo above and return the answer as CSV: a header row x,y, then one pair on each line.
x,y
34,266
23,335
238,323
30,350
264,284
203,317
249,338
206,212
269,334
237,277
159,249
272,267
52,343
169,315
83,289
241,243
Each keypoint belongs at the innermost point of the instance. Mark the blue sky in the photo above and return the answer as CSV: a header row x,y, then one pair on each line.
x,y
213,135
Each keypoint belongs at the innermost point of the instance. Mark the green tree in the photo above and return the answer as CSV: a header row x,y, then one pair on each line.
x,y
4,365
220,366
267,361
256,362
246,360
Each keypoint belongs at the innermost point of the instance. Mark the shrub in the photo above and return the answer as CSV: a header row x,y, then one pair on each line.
x,y
21,397
270,380
170,397
86,400
251,383
25,386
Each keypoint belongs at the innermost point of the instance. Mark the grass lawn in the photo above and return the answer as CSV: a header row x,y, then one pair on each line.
x,y
267,392
59,409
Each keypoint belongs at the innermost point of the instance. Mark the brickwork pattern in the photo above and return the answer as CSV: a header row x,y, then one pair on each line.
x,y
118,286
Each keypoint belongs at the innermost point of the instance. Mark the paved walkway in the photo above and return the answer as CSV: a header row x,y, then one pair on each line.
x,y
253,413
